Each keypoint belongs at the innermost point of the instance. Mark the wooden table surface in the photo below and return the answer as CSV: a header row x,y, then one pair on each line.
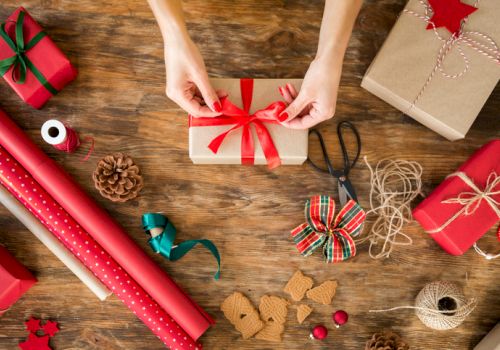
x,y
119,100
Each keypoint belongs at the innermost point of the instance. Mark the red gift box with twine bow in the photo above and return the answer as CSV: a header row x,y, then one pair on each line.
x,y
466,204
15,280
248,131
30,62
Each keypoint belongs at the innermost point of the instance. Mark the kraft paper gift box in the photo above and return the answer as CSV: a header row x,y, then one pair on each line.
x,y
491,341
291,145
15,280
402,72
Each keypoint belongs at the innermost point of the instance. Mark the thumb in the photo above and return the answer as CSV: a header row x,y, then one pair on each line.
x,y
208,93
293,109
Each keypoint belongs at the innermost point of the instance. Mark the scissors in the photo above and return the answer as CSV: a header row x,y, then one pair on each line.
x,y
346,189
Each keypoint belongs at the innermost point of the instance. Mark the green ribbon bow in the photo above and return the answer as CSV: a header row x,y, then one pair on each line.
x,y
20,60
164,243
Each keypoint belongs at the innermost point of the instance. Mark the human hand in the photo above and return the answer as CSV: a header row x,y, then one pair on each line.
x,y
187,80
317,98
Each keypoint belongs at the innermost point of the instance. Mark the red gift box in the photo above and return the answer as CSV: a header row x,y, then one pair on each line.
x,y
34,67
15,280
466,204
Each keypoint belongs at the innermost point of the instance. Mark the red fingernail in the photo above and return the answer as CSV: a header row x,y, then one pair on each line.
x,y
283,116
217,107
281,91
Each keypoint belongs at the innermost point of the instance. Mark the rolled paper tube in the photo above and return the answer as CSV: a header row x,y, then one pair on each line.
x,y
54,132
51,242
23,187
104,229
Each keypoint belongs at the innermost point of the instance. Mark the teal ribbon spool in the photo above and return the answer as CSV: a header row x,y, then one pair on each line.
x,y
20,60
164,243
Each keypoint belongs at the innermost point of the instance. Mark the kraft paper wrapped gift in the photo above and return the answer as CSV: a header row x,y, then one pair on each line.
x,y
291,145
402,72
491,341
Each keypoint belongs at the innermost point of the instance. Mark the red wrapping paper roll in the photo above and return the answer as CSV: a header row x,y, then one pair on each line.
x,y
104,230
17,180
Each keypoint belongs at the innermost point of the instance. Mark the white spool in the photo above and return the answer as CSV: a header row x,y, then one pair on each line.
x,y
54,132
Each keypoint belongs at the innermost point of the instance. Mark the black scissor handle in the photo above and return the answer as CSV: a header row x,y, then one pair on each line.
x,y
328,163
347,164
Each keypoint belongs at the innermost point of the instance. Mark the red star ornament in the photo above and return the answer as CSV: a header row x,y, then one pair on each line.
x,y
50,328
32,324
35,343
449,14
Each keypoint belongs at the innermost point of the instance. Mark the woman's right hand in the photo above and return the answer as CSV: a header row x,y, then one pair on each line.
x,y
187,79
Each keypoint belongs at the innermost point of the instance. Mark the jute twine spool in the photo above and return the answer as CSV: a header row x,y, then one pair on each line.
x,y
395,183
440,305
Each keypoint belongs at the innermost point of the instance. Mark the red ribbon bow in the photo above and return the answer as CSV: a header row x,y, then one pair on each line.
x,y
241,118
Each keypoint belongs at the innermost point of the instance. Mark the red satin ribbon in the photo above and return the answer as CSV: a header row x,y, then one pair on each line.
x,y
241,118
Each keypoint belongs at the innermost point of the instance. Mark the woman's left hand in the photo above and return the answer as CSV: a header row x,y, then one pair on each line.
x,y
317,98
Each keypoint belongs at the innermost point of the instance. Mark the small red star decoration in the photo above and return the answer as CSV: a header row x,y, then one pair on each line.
x,y
50,328
32,325
35,343
449,14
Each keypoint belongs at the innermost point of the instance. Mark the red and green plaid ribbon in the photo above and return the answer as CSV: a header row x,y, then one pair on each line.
x,y
334,234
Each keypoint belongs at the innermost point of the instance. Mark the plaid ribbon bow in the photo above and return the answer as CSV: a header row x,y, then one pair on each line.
x,y
322,228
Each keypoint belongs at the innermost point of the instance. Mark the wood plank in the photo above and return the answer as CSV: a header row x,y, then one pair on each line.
x,y
119,100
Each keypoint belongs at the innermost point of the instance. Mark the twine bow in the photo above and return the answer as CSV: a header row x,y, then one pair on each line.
x,y
486,47
19,62
163,243
471,200
323,229
241,118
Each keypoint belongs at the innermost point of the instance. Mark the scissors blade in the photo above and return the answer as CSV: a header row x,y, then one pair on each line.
x,y
342,194
346,191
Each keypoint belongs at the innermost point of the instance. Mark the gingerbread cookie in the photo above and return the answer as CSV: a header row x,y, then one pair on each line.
x,y
242,314
273,310
298,285
272,331
324,293
302,312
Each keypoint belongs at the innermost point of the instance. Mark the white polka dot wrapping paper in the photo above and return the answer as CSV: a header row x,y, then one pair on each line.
x,y
104,230
20,184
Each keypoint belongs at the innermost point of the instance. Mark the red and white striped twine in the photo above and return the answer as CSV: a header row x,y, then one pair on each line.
x,y
489,48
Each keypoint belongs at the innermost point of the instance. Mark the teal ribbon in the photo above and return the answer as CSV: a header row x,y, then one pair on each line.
x,y
20,60
164,243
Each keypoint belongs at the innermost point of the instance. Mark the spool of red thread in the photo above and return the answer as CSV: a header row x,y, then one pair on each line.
x,y
62,137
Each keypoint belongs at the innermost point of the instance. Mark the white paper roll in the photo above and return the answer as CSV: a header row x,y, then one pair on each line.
x,y
54,132
51,242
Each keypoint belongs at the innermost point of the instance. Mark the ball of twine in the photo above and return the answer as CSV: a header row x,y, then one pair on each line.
x,y
440,305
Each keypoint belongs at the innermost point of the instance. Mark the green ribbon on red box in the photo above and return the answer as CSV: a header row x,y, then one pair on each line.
x,y
20,61
323,229
241,118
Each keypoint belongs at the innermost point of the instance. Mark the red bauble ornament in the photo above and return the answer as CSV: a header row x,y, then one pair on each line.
x,y
449,14
340,318
319,332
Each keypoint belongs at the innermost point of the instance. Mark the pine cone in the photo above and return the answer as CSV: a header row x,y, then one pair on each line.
x,y
386,341
118,178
